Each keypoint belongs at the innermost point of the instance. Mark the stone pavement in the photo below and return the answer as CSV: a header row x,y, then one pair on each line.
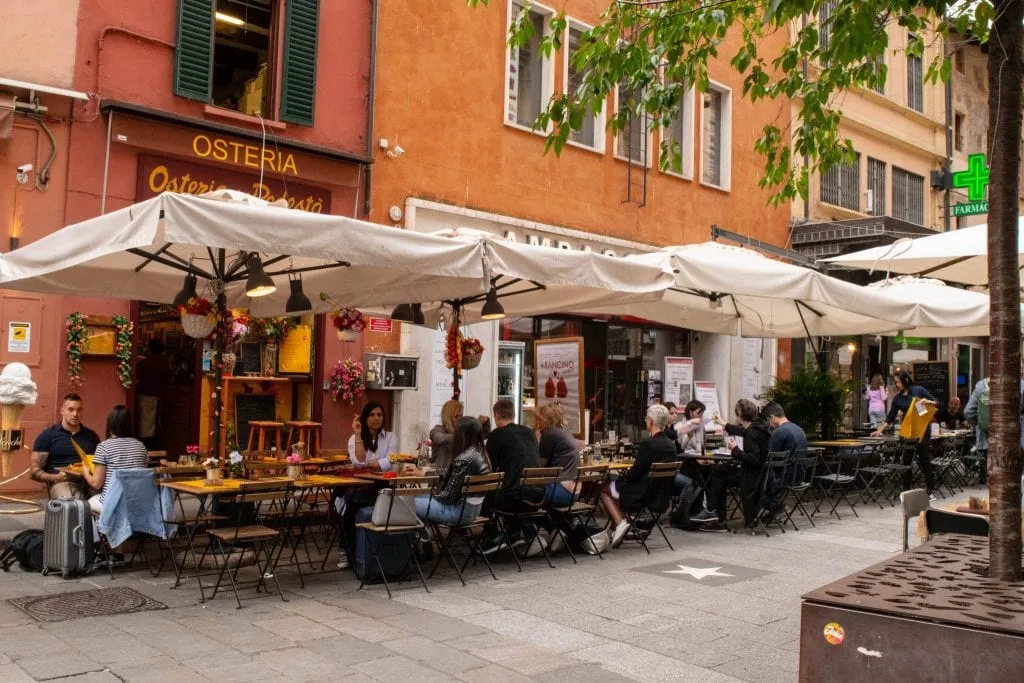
x,y
721,607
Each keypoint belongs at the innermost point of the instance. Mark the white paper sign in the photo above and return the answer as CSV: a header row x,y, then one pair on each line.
x,y
19,337
678,380
707,393
751,369
558,378
441,379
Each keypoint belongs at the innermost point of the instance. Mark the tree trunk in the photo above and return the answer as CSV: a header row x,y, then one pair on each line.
x,y
1005,70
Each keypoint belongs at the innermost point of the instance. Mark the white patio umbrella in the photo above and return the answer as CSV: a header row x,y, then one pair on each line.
x,y
956,256
731,290
942,310
235,244
530,280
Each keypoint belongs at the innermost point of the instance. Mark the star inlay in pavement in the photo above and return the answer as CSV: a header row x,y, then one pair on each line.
x,y
696,572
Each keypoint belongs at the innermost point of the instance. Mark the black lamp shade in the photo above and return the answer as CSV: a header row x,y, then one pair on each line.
x,y
259,283
188,290
297,302
403,313
492,309
417,315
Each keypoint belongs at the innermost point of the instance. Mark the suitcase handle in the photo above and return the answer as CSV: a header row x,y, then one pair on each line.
x,y
78,535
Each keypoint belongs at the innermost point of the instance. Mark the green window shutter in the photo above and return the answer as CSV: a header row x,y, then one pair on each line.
x,y
193,59
298,87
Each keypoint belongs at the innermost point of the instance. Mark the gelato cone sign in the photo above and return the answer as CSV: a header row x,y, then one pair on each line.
x,y
17,390
559,367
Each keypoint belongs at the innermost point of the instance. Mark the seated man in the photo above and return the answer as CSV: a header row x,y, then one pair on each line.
x,y
952,416
628,490
511,448
53,448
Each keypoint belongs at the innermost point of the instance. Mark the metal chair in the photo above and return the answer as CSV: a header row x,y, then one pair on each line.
x,y
474,486
840,476
589,481
528,513
653,502
804,465
912,503
771,476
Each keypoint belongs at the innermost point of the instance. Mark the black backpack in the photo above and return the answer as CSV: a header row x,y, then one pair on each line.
x,y
26,549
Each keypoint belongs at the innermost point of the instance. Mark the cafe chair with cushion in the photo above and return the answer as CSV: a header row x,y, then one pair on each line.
x,y
912,504
942,522
399,494
246,534
653,503
448,535
521,510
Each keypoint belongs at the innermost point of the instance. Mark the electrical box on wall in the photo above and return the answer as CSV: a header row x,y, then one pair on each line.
x,y
389,371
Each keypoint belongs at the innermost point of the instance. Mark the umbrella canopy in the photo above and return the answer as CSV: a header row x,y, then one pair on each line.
x,y
533,280
143,252
955,256
941,310
730,290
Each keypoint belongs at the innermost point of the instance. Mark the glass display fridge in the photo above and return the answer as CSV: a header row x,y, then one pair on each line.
x,y
511,357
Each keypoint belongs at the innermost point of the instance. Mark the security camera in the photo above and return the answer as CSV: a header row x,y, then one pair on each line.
x,y
23,172
396,152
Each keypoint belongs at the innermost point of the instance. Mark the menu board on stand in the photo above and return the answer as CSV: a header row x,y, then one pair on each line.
x,y
678,380
707,393
558,368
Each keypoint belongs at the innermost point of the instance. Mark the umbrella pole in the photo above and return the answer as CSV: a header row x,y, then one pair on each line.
x,y
218,376
457,370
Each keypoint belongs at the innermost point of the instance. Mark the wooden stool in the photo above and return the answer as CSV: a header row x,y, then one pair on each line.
x,y
308,433
258,430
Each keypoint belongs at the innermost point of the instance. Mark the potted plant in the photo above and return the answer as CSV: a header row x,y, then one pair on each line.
x,y
348,324
294,469
198,317
214,476
235,465
346,381
811,398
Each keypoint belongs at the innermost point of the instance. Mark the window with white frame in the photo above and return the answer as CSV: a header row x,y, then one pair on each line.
x,y
591,135
529,72
716,137
840,185
633,141
679,135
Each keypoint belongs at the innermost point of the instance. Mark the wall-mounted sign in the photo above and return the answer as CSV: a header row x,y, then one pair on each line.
x,y
160,174
975,181
381,325
19,337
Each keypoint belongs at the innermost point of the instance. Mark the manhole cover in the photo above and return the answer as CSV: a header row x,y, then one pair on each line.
x,y
97,603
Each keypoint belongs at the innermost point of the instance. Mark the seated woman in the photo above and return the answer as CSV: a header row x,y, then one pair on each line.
x,y
690,431
441,435
447,505
557,448
119,451
629,489
751,458
369,447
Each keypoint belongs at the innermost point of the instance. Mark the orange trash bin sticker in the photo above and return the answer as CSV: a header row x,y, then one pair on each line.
x,y
834,633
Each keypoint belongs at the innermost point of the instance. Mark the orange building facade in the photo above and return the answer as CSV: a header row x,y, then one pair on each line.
x,y
454,148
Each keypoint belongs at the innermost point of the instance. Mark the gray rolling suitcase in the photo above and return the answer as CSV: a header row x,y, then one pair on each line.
x,y
67,537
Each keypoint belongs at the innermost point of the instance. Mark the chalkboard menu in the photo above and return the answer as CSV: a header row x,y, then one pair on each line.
x,y
249,407
250,359
933,376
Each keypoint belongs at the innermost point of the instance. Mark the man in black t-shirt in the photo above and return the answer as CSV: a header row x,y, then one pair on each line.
x,y
53,448
511,447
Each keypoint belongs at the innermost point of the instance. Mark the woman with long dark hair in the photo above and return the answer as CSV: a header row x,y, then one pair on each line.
x,y
119,451
906,392
371,443
448,505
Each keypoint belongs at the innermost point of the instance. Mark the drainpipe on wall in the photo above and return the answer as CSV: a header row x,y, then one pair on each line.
x,y
948,170
368,190
807,160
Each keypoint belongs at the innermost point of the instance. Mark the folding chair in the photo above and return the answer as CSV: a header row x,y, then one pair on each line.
x,y
590,479
948,466
912,504
873,474
190,516
528,513
796,492
400,487
942,522
248,534
840,476
773,471
653,502
139,487
475,486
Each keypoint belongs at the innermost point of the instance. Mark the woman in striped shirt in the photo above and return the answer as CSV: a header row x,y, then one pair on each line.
x,y
119,451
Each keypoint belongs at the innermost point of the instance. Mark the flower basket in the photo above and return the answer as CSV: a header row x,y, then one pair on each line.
x,y
347,335
295,472
471,360
214,477
197,326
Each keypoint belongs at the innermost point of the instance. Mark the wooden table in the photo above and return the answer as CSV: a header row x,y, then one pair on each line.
x,y
838,443
316,480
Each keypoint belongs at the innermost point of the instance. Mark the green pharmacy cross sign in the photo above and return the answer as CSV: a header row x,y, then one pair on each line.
x,y
975,181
